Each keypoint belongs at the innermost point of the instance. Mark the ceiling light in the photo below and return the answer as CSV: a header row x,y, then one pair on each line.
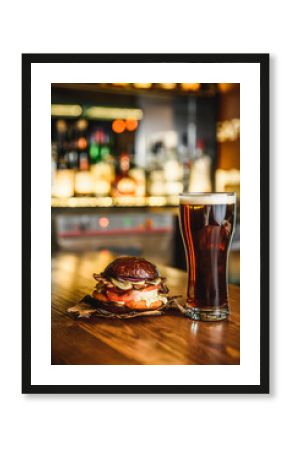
x,y
66,110
110,113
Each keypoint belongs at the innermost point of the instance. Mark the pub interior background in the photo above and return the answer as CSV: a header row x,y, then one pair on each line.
x,y
121,154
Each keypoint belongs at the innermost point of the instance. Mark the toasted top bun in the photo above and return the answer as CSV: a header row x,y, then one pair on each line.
x,y
131,267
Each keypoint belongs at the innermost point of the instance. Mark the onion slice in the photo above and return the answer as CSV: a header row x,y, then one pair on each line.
x,y
155,281
125,286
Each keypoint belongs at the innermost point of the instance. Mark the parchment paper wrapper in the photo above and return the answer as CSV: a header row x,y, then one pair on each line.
x,y
88,307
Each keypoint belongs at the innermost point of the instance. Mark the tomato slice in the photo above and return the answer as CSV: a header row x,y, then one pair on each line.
x,y
118,297
115,295
151,287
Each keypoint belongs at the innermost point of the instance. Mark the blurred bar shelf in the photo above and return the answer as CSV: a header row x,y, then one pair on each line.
x,y
109,202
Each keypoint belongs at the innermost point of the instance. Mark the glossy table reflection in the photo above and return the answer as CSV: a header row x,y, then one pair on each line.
x,y
170,339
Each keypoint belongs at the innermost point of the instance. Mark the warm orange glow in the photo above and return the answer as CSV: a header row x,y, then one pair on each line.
x,y
143,85
124,162
104,222
228,130
61,126
131,124
225,87
120,84
118,126
102,187
84,183
82,124
63,184
190,86
104,251
168,85
82,143
126,186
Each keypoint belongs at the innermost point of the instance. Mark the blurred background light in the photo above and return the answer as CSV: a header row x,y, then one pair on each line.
x,y
104,222
143,85
226,87
108,113
66,110
118,126
168,85
131,124
190,86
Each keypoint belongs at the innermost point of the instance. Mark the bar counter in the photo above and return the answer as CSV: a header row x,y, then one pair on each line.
x,y
171,339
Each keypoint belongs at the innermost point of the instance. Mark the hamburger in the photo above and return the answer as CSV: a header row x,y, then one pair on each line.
x,y
130,283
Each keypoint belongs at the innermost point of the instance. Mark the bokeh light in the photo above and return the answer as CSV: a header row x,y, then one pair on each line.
x,y
131,124
104,222
118,126
190,86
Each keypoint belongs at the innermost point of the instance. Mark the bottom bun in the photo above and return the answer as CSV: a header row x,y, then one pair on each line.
x,y
128,306
141,305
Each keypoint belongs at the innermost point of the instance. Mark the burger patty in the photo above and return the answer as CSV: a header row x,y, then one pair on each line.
x,y
149,297
130,303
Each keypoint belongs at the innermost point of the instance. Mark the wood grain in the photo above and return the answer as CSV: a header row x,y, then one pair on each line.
x,y
171,339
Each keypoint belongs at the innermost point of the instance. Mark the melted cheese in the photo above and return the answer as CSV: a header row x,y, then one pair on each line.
x,y
148,296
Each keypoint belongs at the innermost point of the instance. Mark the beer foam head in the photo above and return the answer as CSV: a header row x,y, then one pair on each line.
x,y
206,198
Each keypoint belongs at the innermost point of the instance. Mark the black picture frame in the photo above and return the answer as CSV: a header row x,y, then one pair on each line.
x,y
263,61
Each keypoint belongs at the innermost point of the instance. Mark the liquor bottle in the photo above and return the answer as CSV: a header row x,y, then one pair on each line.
x,y
83,177
200,180
84,164
138,174
63,181
94,148
105,146
72,153
124,184
53,162
61,133
173,172
102,168
184,155
155,170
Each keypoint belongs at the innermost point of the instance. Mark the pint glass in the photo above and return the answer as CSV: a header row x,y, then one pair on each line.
x,y
207,222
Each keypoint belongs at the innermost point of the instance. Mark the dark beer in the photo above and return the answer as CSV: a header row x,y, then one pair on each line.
x,y
207,223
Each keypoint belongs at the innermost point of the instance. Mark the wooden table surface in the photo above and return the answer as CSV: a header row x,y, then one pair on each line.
x,y
169,339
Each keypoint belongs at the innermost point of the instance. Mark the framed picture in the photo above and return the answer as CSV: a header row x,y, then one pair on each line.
x,y
145,223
